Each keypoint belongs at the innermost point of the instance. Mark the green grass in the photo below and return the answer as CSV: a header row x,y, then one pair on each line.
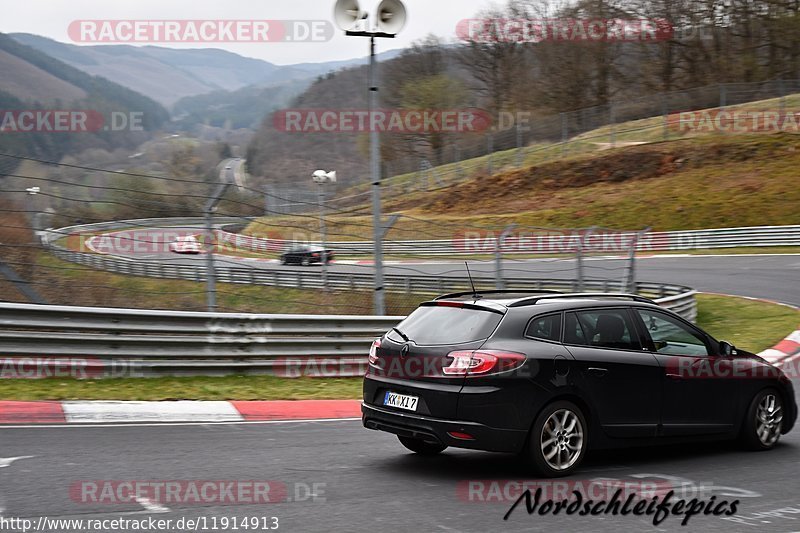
x,y
182,388
646,130
70,284
750,325
704,182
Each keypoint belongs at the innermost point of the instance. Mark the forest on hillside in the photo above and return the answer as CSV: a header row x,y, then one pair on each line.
x,y
710,43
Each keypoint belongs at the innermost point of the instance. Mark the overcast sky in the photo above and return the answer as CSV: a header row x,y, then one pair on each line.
x,y
50,18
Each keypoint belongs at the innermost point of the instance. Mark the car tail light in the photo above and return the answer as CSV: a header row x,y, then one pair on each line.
x,y
482,362
373,351
449,304
315,254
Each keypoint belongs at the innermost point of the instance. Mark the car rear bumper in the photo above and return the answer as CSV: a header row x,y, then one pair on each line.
x,y
436,430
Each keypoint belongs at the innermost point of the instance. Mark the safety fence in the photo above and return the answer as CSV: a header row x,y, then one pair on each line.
x,y
87,342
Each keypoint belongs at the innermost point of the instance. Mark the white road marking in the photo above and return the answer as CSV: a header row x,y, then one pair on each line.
x,y
150,506
5,462
172,424
174,411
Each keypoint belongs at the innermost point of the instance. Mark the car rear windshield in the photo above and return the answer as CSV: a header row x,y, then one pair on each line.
x,y
431,325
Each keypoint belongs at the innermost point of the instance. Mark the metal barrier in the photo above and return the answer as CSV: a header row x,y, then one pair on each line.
x,y
658,241
100,342
719,238
105,342
301,279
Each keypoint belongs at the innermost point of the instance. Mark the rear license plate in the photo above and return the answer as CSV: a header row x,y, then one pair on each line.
x,y
401,401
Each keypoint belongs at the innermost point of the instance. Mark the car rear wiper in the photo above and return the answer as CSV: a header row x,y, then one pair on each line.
x,y
403,335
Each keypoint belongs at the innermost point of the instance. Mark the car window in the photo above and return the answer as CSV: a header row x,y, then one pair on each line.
x,y
606,328
545,327
573,334
436,324
671,336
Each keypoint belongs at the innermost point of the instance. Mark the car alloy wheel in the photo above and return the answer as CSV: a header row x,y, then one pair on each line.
x,y
769,418
558,440
561,440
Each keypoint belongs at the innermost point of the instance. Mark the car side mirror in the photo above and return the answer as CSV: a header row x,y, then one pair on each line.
x,y
727,349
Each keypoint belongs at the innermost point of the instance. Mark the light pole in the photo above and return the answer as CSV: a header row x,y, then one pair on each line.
x,y
211,273
391,17
31,208
321,177
231,173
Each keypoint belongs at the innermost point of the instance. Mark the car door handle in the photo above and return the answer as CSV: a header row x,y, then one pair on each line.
x,y
674,376
598,372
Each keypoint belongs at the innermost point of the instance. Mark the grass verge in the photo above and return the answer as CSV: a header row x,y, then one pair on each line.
x,y
751,325
182,388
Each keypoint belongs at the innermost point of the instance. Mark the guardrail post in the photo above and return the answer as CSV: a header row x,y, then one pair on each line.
x,y
579,257
630,279
500,283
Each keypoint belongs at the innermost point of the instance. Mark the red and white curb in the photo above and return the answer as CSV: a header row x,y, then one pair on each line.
x,y
185,411
786,350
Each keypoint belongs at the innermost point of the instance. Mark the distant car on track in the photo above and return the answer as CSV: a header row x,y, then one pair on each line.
x,y
185,245
306,255
549,375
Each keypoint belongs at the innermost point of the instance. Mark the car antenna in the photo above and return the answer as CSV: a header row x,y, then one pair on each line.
x,y
474,292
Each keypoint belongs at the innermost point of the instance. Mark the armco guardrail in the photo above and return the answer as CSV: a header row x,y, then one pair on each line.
x,y
301,279
38,341
544,242
101,342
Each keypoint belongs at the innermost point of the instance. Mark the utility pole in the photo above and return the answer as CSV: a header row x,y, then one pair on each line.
x,y
391,18
211,274
321,177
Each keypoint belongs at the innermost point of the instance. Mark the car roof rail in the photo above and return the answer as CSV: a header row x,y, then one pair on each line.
x,y
497,291
532,301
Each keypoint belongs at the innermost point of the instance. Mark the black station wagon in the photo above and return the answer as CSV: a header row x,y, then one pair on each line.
x,y
549,375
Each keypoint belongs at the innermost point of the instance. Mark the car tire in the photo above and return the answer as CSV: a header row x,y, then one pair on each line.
x,y
761,429
421,447
554,450
305,261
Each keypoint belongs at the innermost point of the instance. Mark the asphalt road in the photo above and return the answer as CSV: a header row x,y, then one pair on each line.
x,y
775,277
365,481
